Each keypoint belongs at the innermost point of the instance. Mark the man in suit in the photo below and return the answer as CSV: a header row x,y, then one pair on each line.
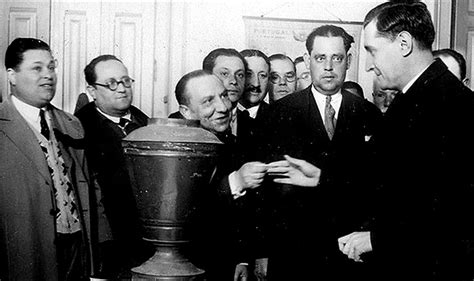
x,y
328,127
303,77
107,120
47,203
282,77
229,66
221,245
423,228
455,62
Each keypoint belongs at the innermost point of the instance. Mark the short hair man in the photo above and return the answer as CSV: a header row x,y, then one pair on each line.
x,y
282,77
329,127
45,209
455,63
425,199
229,66
107,120
303,76
354,88
382,98
202,96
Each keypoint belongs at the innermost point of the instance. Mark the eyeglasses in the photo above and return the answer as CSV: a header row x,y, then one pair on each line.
x,y
113,84
289,77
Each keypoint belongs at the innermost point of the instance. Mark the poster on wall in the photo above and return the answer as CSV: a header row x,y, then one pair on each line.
x,y
288,36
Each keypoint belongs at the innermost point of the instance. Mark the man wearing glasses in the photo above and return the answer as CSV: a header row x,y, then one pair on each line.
x,y
282,77
106,121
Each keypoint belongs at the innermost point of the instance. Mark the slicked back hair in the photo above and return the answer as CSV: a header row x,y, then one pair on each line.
x,y
393,18
16,49
210,60
456,56
329,31
89,70
255,53
180,90
281,57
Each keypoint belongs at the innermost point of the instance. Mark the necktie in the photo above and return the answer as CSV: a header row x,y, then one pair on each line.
x,y
329,120
127,125
44,125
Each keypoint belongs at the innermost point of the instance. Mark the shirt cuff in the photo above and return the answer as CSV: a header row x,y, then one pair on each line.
x,y
235,186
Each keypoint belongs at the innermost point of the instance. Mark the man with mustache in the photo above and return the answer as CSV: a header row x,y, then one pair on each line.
x,y
328,127
252,108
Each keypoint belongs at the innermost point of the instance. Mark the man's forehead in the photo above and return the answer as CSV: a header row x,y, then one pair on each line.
x,y
37,55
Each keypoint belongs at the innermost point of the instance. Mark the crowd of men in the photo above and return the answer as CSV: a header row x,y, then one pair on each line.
x,y
317,184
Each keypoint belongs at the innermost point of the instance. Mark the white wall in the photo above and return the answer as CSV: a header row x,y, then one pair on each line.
x,y
210,24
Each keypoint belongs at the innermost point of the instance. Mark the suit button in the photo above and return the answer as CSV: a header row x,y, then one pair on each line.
x,y
53,212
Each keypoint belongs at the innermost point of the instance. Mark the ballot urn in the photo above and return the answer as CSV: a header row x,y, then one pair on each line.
x,y
170,162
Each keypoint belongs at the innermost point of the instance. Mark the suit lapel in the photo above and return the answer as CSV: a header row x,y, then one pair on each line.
x,y
19,132
315,122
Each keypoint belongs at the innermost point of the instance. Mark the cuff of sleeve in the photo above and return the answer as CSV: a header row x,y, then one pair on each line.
x,y
235,187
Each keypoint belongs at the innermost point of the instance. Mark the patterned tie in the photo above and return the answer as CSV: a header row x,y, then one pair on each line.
x,y
127,125
67,213
329,120
44,125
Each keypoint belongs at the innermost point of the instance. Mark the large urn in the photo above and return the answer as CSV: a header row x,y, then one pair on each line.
x,y
170,161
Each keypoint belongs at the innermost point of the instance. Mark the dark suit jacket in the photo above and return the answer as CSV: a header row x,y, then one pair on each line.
x,y
27,221
220,240
104,153
306,222
423,228
249,133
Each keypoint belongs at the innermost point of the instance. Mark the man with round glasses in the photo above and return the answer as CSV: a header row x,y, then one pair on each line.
x,y
282,77
106,121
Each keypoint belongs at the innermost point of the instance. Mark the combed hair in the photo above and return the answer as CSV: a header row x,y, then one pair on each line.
x,y
281,57
393,18
255,53
298,60
89,70
16,49
180,90
329,31
456,56
210,60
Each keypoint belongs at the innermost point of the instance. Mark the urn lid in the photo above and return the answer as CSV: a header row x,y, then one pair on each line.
x,y
172,130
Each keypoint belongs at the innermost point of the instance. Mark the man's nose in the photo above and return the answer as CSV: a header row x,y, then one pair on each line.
x,y
328,64
369,65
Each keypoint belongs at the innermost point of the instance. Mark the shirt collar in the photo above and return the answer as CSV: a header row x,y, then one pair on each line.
x,y
321,98
114,118
252,110
28,112
413,80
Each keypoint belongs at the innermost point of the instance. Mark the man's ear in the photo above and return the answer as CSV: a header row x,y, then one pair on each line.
x,y
306,59
349,60
406,43
185,111
92,91
11,75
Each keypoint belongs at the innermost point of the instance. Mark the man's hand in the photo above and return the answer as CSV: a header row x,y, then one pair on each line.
x,y
251,175
294,171
355,244
241,273
260,271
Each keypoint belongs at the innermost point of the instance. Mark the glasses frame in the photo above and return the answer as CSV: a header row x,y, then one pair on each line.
x,y
291,80
109,86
